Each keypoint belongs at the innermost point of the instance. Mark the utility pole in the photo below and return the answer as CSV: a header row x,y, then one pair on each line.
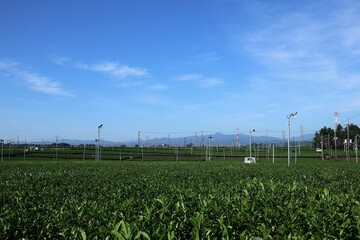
x,y
98,156
302,138
348,142
322,147
2,149
139,141
335,138
202,144
56,148
210,137
289,117
356,147
250,138
196,140
24,153
84,151
283,140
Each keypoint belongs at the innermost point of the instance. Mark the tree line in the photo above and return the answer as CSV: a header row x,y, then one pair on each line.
x,y
338,136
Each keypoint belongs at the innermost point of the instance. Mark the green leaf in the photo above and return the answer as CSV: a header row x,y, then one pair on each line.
x,y
141,233
83,234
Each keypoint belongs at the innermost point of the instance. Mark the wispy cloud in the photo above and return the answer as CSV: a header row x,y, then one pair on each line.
x,y
151,99
121,72
307,53
211,82
348,26
114,69
209,57
200,80
305,46
159,86
60,60
7,65
32,79
189,77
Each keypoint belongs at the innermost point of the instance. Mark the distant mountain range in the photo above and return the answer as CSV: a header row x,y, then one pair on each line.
x,y
217,139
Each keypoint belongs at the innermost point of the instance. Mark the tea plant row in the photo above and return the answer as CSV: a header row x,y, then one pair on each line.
x,y
178,200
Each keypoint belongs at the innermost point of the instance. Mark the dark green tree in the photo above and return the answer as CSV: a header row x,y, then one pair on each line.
x,y
340,136
328,136
353,131
316,140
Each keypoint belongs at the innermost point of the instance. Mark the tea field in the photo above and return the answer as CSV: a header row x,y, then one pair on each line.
x,y
65,199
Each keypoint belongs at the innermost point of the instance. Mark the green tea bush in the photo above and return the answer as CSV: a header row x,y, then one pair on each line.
x,y
178,200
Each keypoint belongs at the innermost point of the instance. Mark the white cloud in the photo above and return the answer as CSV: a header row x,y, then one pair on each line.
x,y
158,86
301,45
115,69
151,99
127,84
59,60
189,77
42,83
33,80
6,64
209,57
200,80
211,82
307,57
348,26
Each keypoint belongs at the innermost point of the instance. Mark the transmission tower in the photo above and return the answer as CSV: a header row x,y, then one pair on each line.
x,y
237,138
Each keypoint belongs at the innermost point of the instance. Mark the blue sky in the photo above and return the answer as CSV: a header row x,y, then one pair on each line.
x,y
176,67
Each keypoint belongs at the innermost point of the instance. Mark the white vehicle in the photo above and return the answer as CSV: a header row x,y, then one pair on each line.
x,y
318,150
249,160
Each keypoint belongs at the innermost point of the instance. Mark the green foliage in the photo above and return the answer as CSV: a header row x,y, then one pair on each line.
x,y
329,134
179,200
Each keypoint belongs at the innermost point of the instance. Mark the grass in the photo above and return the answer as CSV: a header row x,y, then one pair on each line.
x,y
17,152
